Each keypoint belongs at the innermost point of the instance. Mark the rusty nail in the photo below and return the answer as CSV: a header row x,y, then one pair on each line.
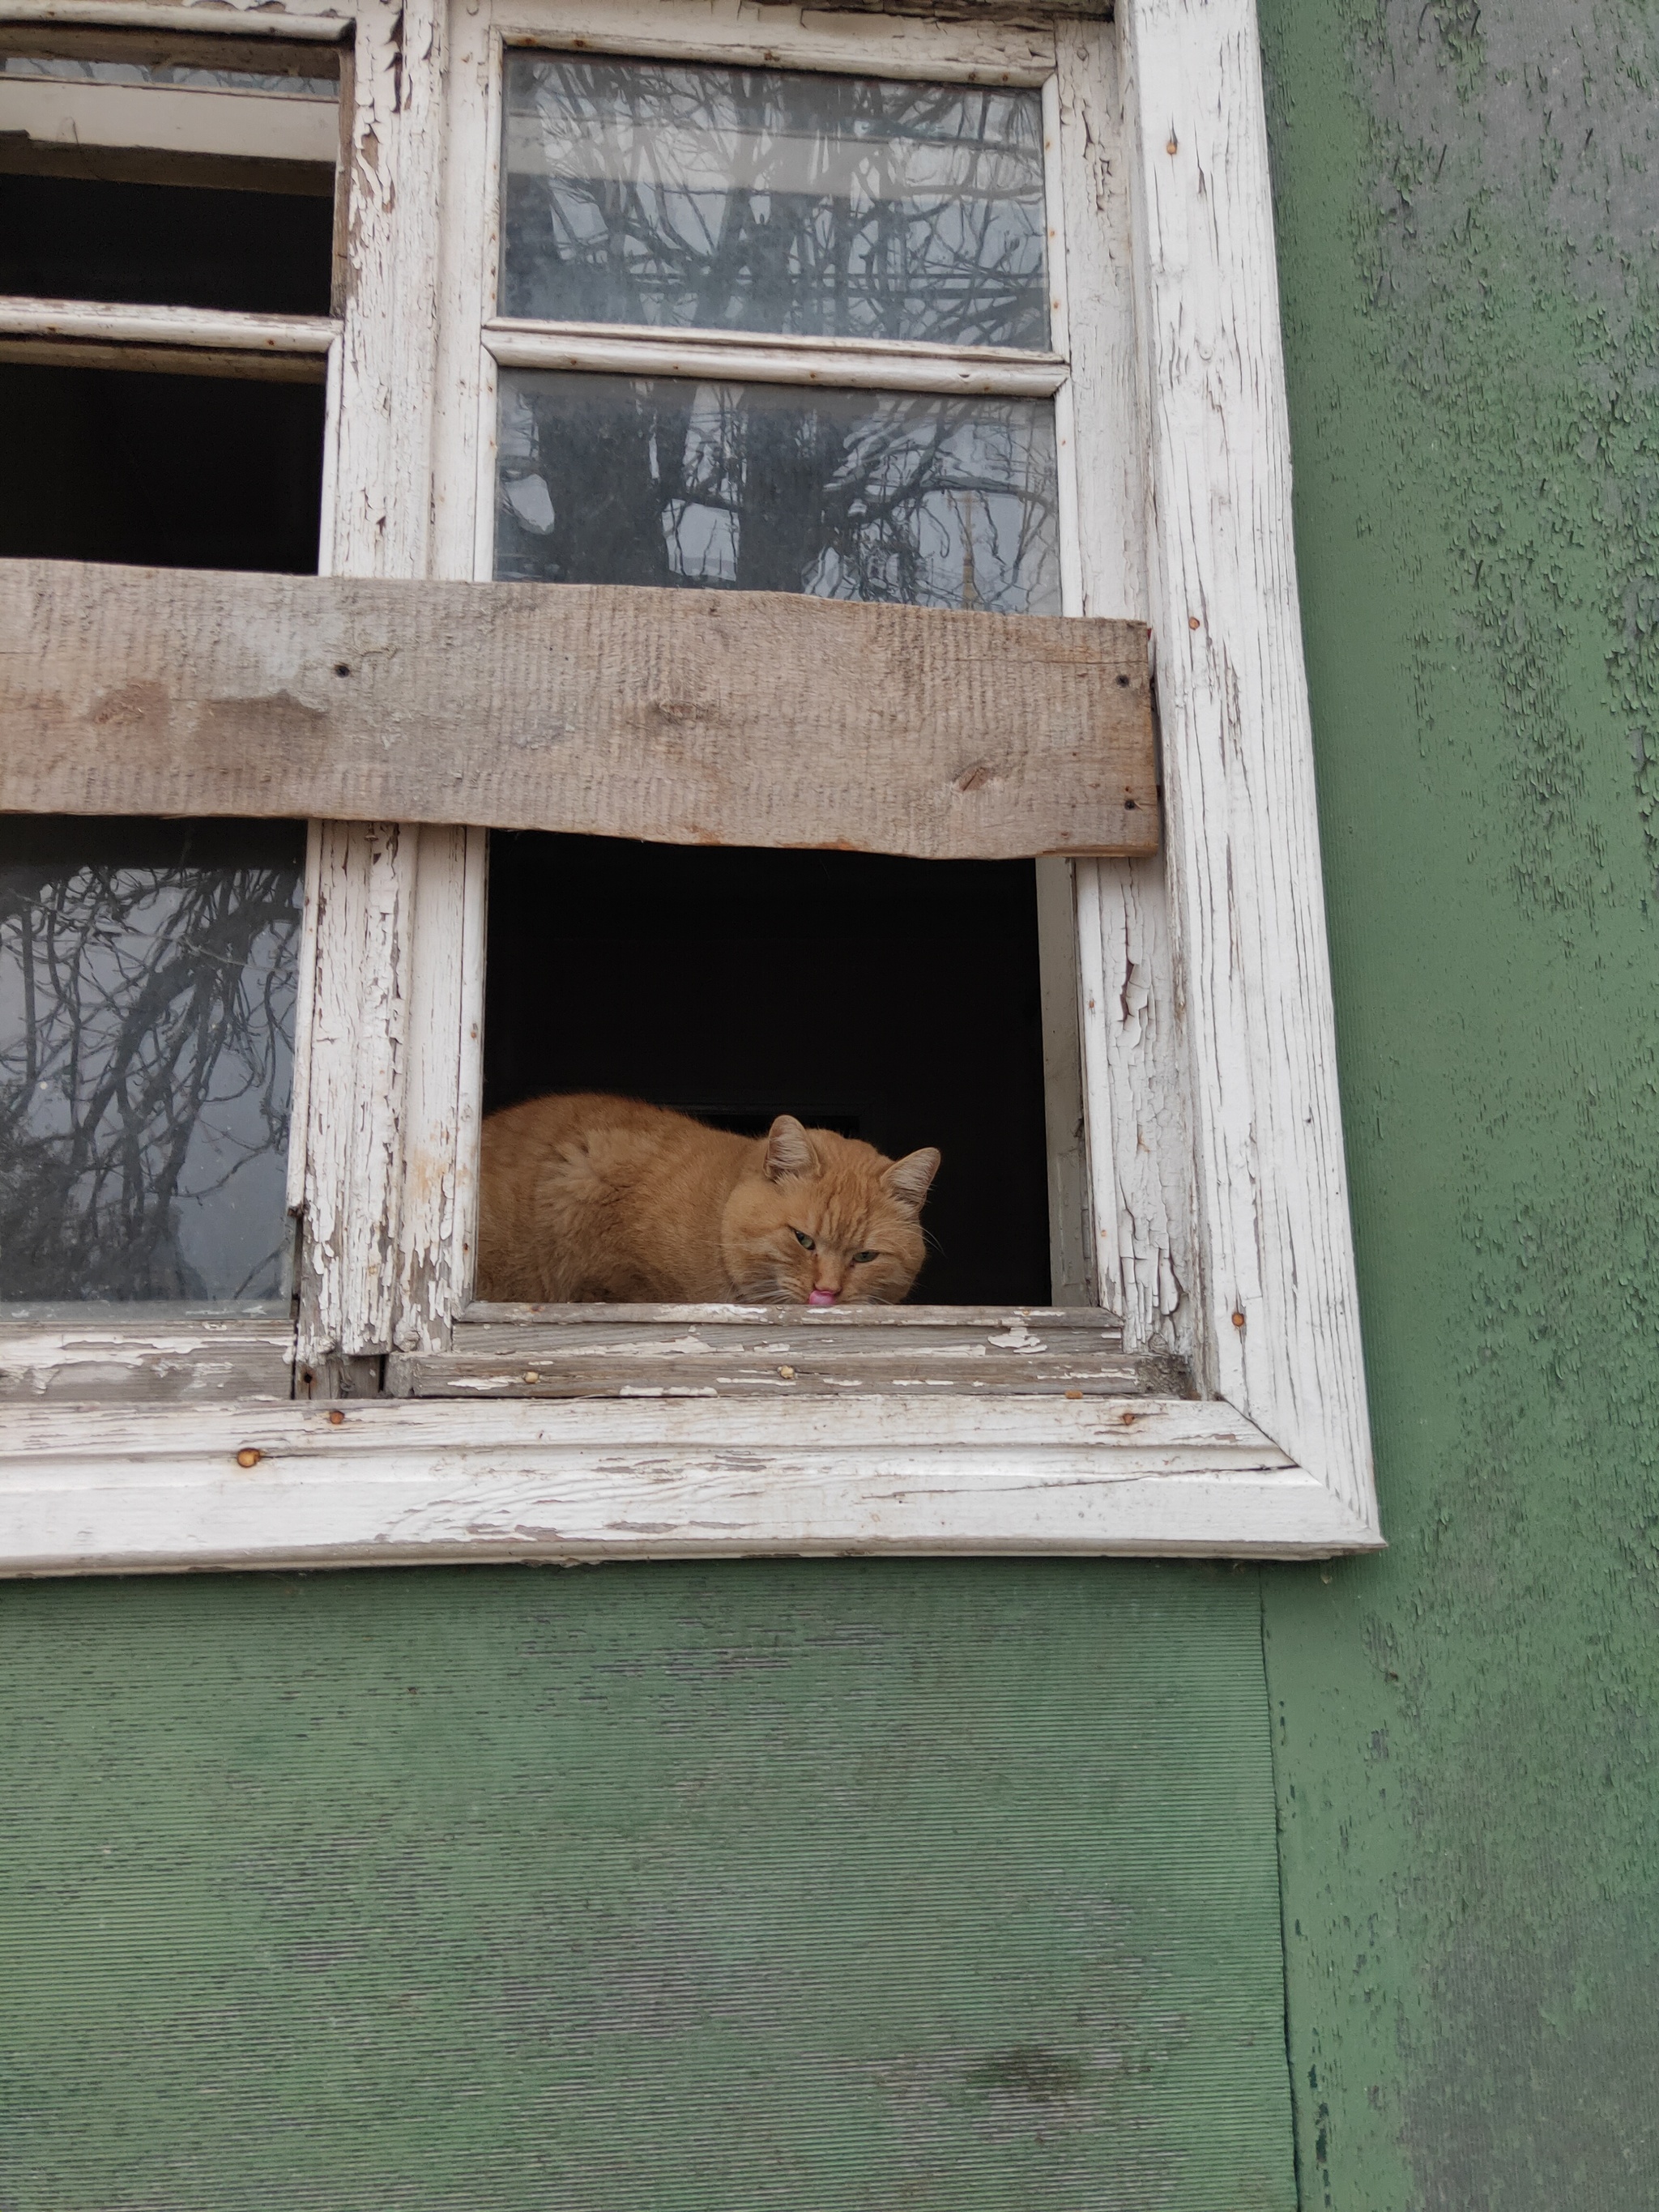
x,y
337,1418
248,1457
1125,1418
1192,623
1238,1321
1174,146
1074,1394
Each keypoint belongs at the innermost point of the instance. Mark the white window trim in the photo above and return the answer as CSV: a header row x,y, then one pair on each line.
x,y
1211,1123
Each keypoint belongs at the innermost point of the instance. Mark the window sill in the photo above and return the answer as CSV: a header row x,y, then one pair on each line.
x,y
102,1489
784,1351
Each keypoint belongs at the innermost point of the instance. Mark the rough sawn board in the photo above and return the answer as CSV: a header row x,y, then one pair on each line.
x,y
685,717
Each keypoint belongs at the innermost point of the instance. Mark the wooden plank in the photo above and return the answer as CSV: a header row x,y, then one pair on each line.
x,y
687,717
142,1354
388,1482
561,1353
1277,1329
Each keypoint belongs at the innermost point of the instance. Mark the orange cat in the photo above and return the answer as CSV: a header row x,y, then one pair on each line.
x,y
592,1197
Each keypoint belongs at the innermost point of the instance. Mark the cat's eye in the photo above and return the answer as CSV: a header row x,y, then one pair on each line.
x,y
805,1241
860,1259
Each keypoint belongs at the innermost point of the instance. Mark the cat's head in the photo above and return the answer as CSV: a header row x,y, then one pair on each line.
x,y
826,1221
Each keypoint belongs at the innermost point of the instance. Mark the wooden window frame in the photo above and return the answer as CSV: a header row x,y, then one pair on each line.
x,y
1207,1170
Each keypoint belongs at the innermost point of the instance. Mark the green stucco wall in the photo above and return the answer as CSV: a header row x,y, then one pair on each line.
x,y
1468,198
826,1888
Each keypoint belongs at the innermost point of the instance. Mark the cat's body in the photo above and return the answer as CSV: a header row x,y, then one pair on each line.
x,y
585,1197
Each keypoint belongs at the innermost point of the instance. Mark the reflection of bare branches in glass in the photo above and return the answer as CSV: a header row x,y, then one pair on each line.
x,y
146,1038
844,495
761,199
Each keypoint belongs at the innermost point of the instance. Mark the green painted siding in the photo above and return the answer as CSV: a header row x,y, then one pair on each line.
x,y
809,1886
1468,198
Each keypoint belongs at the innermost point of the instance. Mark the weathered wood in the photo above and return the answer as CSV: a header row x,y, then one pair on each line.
x,y
964,44
687,717
208,329
149,165
142,1354
596,1352
848,363
1278,1330
360,1205
386,1483
176,341
168,47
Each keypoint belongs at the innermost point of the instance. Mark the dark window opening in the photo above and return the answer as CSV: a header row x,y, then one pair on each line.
x,y
176,245
160,470
895,1000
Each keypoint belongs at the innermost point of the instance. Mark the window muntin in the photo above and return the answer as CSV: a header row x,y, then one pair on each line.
x,y
659,194
891,495
148,979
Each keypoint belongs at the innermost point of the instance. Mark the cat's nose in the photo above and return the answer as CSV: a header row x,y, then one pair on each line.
x,y
821,1297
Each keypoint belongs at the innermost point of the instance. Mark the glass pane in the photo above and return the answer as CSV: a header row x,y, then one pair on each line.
x,y
73,69
147,974
767,200
763,488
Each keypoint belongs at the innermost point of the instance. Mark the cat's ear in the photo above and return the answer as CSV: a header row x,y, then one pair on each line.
x,y
789,1150
907,1180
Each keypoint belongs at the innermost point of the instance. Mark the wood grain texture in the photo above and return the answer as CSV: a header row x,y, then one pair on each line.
x,y
852,364
142,1354
361,1218
1277,1329
792,1887
688,717
207,329
960,44
577,1352
1143,1258
385,1480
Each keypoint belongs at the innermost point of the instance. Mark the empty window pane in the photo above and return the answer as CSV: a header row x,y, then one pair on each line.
x,y
148,975
163,471
763,488
767,200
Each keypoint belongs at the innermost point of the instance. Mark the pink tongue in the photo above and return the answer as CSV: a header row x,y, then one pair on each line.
x,y
822,1299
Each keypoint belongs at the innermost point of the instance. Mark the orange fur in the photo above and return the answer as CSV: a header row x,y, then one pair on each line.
x,y
590,1198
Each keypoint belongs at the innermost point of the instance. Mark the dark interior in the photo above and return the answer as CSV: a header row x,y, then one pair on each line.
x,y
177,245
163,471
895,1000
